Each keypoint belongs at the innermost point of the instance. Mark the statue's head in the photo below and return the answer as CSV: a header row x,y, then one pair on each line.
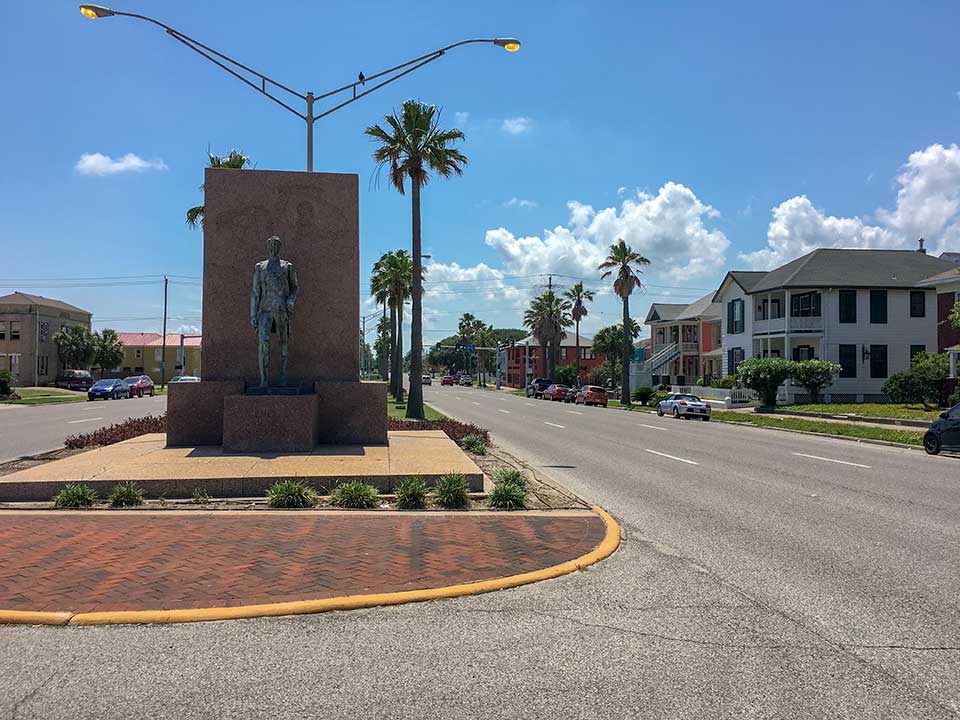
x,y
273,247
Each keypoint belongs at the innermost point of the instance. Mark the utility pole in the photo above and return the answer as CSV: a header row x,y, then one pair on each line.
x,y
363,340
163,351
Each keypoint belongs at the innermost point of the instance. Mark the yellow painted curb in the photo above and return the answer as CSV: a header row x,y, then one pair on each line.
x,y
610,543
21,617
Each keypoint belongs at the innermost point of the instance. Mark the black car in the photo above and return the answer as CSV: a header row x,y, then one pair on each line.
x,y
944,434
571,396
74,380
536,387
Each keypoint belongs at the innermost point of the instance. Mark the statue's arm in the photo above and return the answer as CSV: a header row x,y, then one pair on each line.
x,y
294,285
255,296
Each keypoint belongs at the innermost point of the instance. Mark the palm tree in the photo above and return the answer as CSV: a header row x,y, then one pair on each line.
x,y
380,290
107,349
236,160
485,337
547,318
608,342
626,263
74,346
578,296
414,145
392,279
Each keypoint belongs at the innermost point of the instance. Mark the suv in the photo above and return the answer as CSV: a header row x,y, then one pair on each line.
x,y
74,380
536,387
465,379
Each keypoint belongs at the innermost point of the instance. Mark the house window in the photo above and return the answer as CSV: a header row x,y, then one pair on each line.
x,y
878,360
138,353
44,332
915,349
878,307
803,352
734,317
3,330
805,305
158,355
775,310
734,358
761,311
848,306
42,365
848,361
563,353
918,303
14,329
586,353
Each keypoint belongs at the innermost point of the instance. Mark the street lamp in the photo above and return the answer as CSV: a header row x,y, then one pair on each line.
x,y
261,81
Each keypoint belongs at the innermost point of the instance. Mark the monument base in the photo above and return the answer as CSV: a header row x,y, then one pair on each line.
x,y
195,411
269,423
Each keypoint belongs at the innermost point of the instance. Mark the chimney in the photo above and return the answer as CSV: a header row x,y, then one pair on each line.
x,y
922,250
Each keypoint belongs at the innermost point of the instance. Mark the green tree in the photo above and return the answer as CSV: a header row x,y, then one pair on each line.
x,y
954,316
107,350
925,382
235,160
608,341
814,376
74,346
567,374
578,297
414,145
764,376
6,379
392,278
485,338
622,260
547,318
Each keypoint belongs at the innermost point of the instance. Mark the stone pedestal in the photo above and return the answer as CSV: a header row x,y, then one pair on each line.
x,y
351,413
195,411
269,423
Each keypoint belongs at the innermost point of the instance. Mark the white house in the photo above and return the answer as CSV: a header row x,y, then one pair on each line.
x,y
860,309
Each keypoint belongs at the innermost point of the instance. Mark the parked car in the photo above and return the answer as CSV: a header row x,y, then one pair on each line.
x,y
571,396
184,378
426,380
141,385
536,387
556,392
944,434
465,380
448,380
684,406
74,380
592,395
108,389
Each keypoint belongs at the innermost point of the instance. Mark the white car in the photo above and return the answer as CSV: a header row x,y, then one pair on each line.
x,y
184,379
684,406
426,380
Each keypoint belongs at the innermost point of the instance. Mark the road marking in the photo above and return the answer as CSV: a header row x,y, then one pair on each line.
x,y
553,424
504,411
458,397
574,412
474,402
72,422
673,457
529,404
652,427
842,462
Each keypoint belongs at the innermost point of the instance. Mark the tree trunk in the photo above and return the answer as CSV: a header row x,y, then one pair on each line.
x,y
384,356
625,355
544,359
415,401
577,352
393,349
399,362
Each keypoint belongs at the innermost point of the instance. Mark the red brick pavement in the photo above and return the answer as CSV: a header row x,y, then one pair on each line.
x,y
93,561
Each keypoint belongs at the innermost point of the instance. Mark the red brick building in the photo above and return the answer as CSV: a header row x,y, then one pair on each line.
x,y
526,354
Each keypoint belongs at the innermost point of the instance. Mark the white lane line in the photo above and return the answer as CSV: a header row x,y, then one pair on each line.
x,y
673,457
73,422
652,427
504,411
458,397
529,404
553,424
842,462
574,412
474,402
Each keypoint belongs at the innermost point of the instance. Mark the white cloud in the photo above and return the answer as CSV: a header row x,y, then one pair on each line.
x,y
517,202
100,164
928,205
461,118
517,125
188,329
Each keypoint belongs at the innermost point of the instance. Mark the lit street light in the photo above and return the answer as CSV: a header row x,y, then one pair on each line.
x,y
262,81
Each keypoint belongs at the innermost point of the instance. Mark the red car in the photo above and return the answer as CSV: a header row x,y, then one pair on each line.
x,y
141,385
556,392
592,395
448,380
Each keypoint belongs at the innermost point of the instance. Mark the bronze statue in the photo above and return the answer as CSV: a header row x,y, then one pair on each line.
x,y
274,291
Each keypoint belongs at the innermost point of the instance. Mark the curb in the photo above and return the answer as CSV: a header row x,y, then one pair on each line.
x,y
610,543
848,438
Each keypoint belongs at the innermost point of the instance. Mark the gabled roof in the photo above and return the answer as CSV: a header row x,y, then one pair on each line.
x,y
661,312
22,298
137,339
950,276
746,279
705,307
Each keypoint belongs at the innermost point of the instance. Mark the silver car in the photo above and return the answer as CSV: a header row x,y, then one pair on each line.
x,y
684,406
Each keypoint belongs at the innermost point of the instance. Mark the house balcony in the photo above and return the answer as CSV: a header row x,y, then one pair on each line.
x,y
806,324
766,327
690,347
775,326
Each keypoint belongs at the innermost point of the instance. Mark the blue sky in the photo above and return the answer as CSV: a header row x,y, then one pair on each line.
x,y
711,136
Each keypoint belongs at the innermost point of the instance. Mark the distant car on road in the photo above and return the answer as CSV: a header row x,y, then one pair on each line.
x,y
944,434
465,380
448,380
592,395
184,378
74,380
684,406
571,396
141,385
556,392
536,387
108,389
426,380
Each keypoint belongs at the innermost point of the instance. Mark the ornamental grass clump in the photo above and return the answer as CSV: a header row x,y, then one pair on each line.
x,y
510,475
355,494
127,494
509,489
200,496
451,491
474,444
411,493
75,496
290,494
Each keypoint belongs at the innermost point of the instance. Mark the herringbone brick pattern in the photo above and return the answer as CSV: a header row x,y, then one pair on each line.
x,y
88,562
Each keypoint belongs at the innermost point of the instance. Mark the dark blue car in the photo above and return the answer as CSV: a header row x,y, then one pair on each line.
x,y
944,434
108,390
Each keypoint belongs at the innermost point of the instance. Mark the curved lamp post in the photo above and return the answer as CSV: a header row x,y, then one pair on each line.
x,y
261,82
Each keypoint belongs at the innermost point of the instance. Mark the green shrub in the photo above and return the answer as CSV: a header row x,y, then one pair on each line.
x,y
642,395
200,496
504,476
724,383
657,397
126,494
814,376
508,496
451,490
765,376
6,378
411,493
291,494
700,381
355,494
566,374
474,444
954,398
75,495
924,382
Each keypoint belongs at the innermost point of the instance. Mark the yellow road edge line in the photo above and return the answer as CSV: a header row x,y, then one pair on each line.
x,y
28,617
608,545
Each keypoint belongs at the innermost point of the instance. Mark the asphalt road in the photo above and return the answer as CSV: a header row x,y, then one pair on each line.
x,y
32,429
762,574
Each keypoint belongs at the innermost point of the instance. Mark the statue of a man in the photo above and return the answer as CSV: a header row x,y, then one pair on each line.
x,y
274,291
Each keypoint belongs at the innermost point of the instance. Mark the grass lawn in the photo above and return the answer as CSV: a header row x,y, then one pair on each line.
x,y
399,410
904,411
45,396
820,426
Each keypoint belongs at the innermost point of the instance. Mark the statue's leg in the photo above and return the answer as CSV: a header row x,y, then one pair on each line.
x,y
263,352
283,329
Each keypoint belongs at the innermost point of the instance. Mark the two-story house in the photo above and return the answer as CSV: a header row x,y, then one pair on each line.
x,y
860,309
684,343
524,360
947,285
